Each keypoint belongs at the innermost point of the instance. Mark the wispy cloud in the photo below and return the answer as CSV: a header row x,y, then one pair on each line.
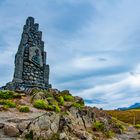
x,y
93,46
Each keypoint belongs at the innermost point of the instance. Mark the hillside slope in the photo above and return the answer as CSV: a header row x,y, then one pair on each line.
x,y
52,115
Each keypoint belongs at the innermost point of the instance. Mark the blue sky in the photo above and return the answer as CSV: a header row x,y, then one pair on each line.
x,y
93,46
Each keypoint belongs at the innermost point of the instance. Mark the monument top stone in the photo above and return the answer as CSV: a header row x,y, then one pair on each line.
x,y
30,60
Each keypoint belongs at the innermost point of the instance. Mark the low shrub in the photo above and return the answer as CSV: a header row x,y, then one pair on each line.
x,y
57,108
98,126
48,94
29,136
109,134
40,104
55,136
52,101
50,108
122,127
5,107
35,91
17,95
137,126
68,97
2,102
24,109
6,94
118,124
8,103
77,105
60,100
65,92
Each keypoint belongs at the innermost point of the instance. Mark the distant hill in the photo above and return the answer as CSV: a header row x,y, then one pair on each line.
x,y
134,106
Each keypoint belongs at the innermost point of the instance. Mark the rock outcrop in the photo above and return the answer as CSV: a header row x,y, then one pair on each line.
x,y
57,116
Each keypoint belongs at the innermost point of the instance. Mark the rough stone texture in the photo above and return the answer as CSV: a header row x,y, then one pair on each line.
x,y
11,130
30,60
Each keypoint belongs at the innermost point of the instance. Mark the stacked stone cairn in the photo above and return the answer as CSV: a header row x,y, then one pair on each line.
x,y
30,60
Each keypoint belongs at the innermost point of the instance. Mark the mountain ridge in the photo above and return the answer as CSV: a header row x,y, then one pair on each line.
x,y
134,106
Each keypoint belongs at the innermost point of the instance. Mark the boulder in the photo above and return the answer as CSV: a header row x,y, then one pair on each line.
x,y
38,95
23,125
11,130
1,125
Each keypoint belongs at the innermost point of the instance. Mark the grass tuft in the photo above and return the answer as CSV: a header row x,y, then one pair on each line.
x,y
24,108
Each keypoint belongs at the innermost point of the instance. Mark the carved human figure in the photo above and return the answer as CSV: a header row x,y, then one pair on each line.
x,y
36,58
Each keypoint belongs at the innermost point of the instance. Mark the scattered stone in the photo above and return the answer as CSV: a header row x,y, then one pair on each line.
x,y
23,125
1,125
11,130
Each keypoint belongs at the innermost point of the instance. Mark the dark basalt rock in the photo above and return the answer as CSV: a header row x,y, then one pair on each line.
x,y
31,69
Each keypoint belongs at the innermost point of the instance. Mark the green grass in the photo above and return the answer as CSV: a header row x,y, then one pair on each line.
x,y
8,103
60,100
68,97
77,105
98,126
50,108
40,104
137,126
52,101
29,136
109,134
57,109
7,94
128,116
24,109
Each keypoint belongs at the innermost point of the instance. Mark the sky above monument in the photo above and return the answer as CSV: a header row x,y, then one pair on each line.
x,y
93,46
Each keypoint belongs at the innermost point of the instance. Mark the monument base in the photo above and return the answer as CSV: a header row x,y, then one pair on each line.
x,y
21,87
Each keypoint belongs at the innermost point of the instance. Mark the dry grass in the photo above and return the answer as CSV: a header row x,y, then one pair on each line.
x,y
129,116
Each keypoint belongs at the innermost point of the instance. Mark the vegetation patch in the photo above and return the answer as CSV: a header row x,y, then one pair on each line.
x,y
60,100
137,126
24,109
98,126
40,104
109,134
68,98
52,101
54,137
118,124
77,105
7,94
128,116
29,136
50,108
66,95
57,109
8,103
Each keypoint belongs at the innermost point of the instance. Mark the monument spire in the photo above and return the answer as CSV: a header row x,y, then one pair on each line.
x,y
30,60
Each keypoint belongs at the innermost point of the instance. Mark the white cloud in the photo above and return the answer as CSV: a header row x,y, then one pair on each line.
x,y
92,56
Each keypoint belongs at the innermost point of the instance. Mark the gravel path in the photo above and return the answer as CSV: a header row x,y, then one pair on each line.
x,y
131,134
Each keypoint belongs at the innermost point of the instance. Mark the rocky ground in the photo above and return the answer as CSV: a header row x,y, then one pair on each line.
x,y
131,134
65,119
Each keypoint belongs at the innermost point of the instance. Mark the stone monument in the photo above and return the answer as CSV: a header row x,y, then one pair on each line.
x,y
30,60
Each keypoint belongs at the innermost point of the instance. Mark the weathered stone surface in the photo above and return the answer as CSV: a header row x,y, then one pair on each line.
x,y
11,130
1,125
23,125
30,59
38,95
